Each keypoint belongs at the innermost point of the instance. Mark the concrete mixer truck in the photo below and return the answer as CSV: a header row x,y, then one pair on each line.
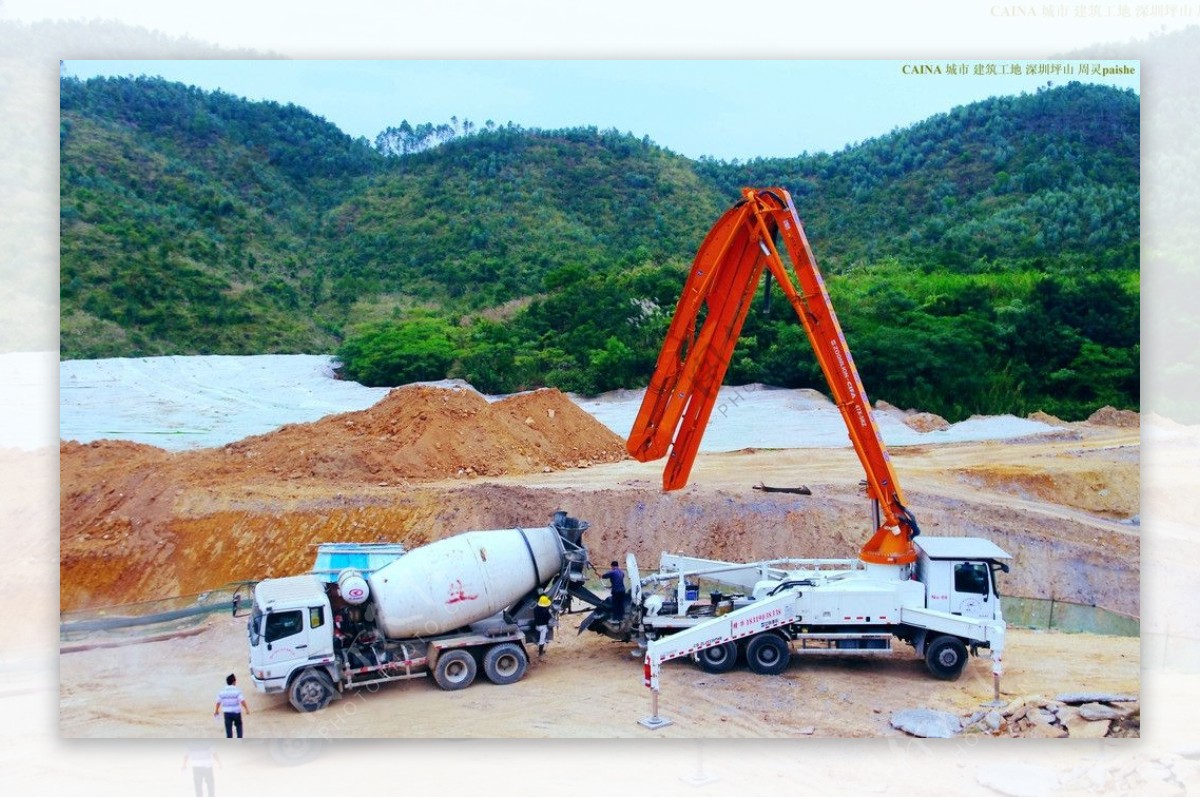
x,y
447,609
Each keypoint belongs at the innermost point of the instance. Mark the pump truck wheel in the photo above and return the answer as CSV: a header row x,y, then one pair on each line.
x,y
945,657
505,663
767,654
312,690
455,670
717,659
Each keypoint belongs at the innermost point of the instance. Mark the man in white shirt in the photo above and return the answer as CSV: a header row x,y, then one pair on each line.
x,y
201,758
231,702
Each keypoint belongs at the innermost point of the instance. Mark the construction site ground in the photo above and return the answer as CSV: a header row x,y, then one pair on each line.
x,y
139,523
586,687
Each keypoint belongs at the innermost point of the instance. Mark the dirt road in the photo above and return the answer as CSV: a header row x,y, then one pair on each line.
x,y
587,687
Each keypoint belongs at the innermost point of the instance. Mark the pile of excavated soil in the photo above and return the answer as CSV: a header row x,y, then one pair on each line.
x,y
128,512
1046,418
1111,417
913,419
926,422
420,432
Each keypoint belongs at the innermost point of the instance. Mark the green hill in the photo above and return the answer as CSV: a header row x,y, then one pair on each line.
x,y
192,222
984,260
486,217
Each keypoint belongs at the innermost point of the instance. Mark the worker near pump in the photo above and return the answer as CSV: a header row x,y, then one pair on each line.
x,y
541,622
233,704
616,579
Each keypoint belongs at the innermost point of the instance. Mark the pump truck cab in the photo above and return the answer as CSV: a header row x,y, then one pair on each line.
x,y
446,610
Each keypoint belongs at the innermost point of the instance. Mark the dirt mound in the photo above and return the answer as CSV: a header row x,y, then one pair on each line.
x,y
420,432
916,420
128,512
926,422
884,406
1111,417
1046,418
115,503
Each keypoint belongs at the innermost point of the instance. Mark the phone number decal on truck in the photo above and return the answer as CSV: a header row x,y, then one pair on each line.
x,y
761,619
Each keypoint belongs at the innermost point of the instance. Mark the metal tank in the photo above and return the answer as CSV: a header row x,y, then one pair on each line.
x,y
462,579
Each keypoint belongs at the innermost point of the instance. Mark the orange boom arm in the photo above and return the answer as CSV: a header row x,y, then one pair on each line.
x,y
692,364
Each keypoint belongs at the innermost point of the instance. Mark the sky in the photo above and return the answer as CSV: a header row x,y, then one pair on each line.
x,y
726,109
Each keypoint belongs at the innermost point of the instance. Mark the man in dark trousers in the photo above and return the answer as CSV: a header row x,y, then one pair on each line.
x,y
202,758
616,578
231,702
541,622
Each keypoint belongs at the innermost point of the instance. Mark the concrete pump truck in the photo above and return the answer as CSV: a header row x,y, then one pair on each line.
x,y
936,594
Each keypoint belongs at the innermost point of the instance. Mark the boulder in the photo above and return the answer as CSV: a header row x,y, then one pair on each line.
x,y
926,723
1097,711
1088,698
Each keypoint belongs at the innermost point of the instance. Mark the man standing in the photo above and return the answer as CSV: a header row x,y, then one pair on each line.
x,y
616,578
202,758
541,622
231,702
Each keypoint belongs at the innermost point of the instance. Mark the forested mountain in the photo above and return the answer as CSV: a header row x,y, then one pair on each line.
x,y
193,221
487,216
1052,175
985,260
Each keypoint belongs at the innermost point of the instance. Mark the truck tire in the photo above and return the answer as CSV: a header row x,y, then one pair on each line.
x,y
312,690
455,670
945,657
767,654
717,659
288,752
505,663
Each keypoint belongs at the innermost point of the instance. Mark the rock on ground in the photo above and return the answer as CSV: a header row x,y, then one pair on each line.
x,y
1094,698
926,723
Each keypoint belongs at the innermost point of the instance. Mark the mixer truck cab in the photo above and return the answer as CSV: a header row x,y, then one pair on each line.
x,y
290,628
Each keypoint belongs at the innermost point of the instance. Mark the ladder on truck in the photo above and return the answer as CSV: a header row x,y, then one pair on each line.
x,y
758,618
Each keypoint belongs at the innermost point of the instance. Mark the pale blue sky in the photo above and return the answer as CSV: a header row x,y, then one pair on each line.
x,y
724,109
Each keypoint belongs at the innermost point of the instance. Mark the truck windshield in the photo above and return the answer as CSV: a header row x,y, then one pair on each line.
x,y
254,625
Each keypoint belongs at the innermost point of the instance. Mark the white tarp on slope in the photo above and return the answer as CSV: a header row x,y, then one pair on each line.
x,y
188,402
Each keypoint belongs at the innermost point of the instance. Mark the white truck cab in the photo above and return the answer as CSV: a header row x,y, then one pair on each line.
x,y
290,626
959,575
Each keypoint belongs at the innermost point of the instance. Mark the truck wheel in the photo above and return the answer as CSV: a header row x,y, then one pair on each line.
x,y
767,654
717,659
287,752
505,663
945,657
312,690
455,670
